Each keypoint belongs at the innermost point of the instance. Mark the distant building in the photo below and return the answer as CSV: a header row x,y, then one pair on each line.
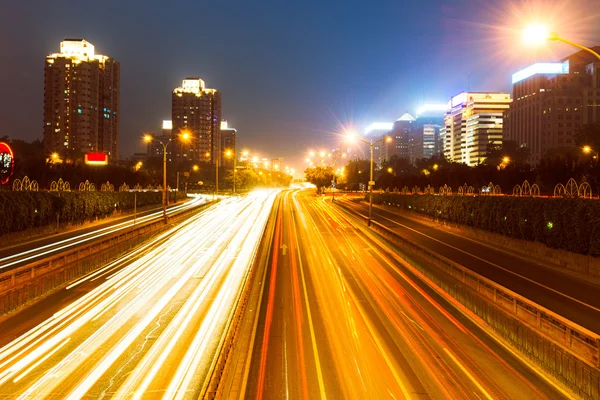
x,y
81,102
198,110
400,144
552,101
376,132
473,122
425,137
228,143
154,148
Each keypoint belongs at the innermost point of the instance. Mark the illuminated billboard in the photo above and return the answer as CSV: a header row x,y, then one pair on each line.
x,y
96,159
7,163
541,68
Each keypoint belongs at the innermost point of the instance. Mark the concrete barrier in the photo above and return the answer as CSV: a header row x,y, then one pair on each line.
x,y
567,351
21,285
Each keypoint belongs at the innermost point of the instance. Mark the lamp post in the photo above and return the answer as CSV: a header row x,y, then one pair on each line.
x,y
588,150
228,154
184,136
334,157
371,143
536,34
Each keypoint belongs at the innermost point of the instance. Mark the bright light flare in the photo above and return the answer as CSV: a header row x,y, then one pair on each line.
x,y
536,34
148,138
587,149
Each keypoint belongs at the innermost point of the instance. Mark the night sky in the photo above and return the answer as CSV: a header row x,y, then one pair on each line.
x,y
291,72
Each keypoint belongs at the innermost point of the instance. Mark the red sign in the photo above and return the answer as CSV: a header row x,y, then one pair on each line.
x,y
7,163
96,159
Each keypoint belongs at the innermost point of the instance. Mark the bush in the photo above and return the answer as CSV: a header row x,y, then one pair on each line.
x,y
24,210
567,224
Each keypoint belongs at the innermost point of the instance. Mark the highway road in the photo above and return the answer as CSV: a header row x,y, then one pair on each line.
x,y
572,297
152,327
18,255
341,319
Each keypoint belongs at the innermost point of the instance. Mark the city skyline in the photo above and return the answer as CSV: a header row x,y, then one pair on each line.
x,y
370,87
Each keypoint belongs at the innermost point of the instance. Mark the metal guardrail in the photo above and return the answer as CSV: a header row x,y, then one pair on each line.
x,y
570,352
20,285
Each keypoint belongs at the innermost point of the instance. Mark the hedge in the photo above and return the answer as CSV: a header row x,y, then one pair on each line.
x,y
567,224
24,210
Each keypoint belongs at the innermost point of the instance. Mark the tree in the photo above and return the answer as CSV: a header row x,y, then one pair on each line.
x,y
357,172
319,176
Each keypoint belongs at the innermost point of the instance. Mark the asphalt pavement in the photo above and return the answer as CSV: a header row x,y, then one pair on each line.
x,y
151,322
340,319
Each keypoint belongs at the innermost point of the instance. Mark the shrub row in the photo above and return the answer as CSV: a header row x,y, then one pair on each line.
x,y
24,210
567,224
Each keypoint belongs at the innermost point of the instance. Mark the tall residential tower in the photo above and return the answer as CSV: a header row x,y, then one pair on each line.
x,y
81,102
197,110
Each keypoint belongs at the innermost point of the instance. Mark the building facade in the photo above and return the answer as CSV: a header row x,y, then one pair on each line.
x,y
425,138
400,144
81,102
551,103
197,110
228,144
473,122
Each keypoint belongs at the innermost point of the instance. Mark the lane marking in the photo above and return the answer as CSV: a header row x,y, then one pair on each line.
x,y
308,312
468,374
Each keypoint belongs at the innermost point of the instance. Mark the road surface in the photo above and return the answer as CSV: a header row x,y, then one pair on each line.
x,y
152,328
572,297
340,319
16,256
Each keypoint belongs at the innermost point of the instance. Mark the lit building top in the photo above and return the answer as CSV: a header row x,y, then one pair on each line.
x,y
379,126
193,85
541,68
406,117
78,50
167,124
225,126
432,107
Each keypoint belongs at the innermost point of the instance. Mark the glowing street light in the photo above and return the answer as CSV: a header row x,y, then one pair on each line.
x,y
506,159
538,34
228,154
371,143
435,167
195,168
390,170
587,149
184,137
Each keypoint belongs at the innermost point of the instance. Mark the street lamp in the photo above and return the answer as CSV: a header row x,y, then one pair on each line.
x,y
334,158
229,153
537,34
184,136
588,150
371,143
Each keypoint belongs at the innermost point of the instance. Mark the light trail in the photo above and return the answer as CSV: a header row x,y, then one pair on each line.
x,y
37,252
188,278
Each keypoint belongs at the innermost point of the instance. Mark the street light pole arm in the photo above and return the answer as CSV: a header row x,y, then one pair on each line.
x,y
554,36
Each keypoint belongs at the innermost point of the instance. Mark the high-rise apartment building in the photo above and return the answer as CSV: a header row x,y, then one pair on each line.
x,y
473,122
552,101
81,102
197,110
228,144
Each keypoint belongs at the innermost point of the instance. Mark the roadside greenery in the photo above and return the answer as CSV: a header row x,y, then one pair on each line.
x,y
24,210
567,224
